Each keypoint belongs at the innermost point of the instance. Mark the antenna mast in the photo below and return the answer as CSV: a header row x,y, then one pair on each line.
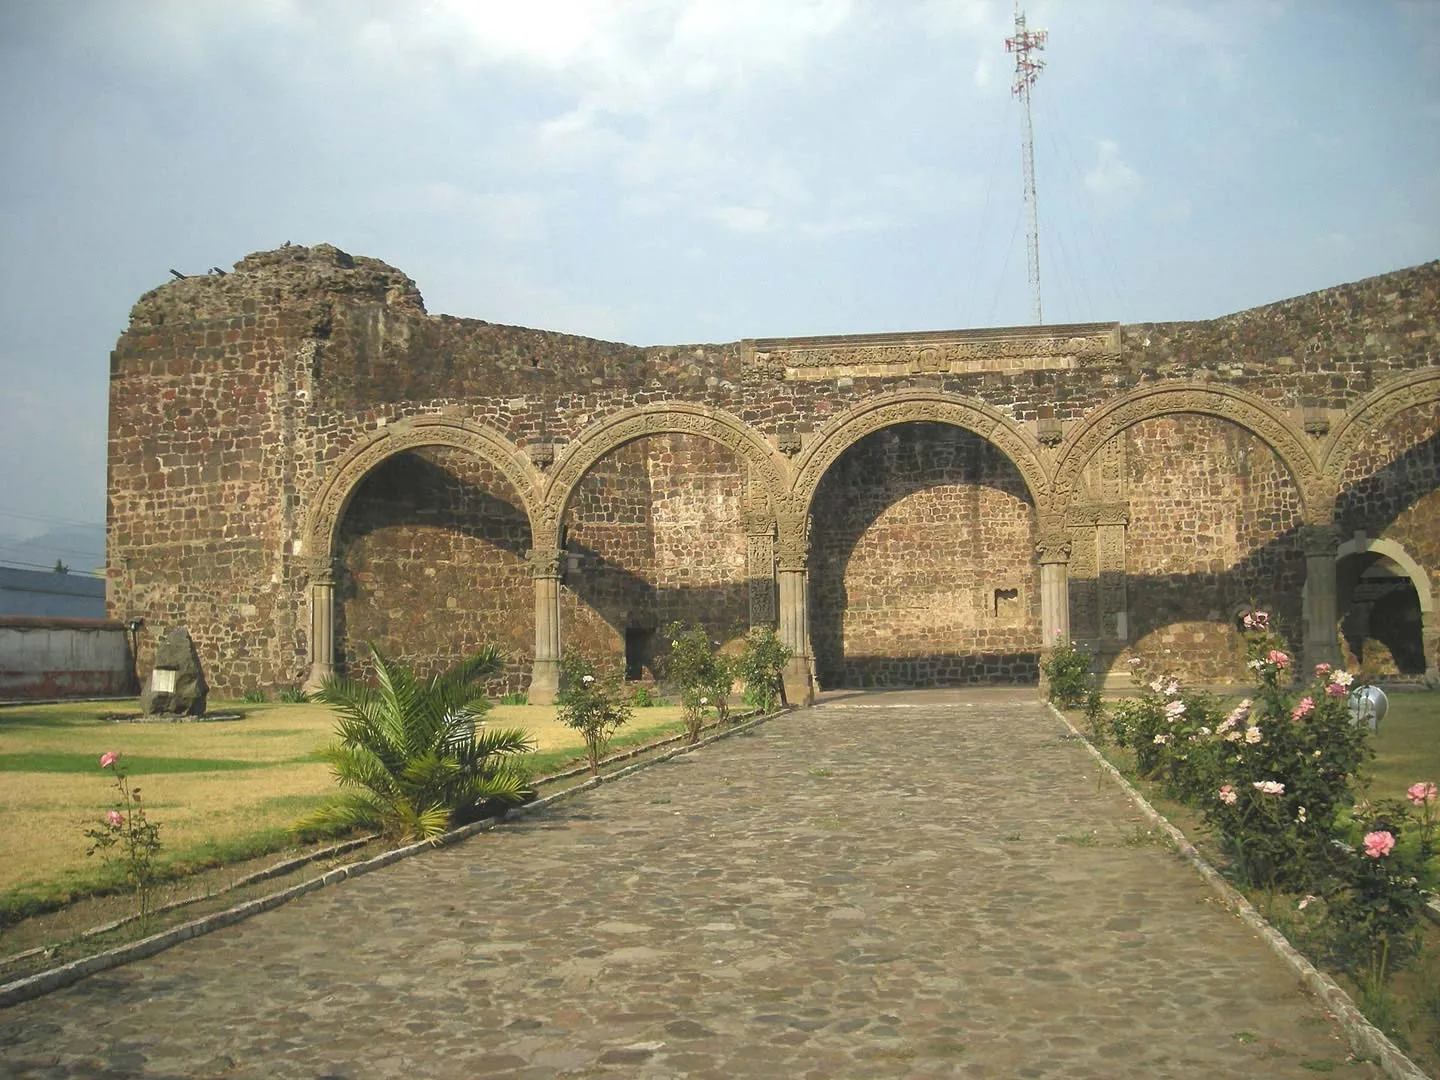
x,y
1024,45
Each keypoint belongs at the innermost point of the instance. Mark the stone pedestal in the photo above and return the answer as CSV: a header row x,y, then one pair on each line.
x,y
1321,645
545,676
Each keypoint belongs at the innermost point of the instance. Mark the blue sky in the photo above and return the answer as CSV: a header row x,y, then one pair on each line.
x,y
668,171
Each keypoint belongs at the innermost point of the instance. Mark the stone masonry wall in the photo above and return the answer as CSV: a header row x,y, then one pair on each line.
x,y
921,568
1213,520
433,567
233,397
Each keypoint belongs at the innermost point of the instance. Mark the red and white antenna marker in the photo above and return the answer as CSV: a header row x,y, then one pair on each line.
x,y
1025,44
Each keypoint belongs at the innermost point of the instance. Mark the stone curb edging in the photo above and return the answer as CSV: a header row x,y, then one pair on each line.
x,y
1364,1036
41,983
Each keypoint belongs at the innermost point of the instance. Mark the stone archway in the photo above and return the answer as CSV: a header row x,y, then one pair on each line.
x,y
766,487
327,508
1373,412
991,426
1387,551
1291,447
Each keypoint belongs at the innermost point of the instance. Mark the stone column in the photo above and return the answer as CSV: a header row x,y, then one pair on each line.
x,y
793,581
1054,554
322,623
1321,646
545,677
1430,640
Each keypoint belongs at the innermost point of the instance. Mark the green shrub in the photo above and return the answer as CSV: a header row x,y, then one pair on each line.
x,y
1067,673
702,678
589,705
642,698
253,696
518,697
412,754
761,667
293,695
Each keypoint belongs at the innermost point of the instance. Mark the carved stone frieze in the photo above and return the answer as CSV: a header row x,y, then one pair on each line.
x,y
1050,348
320,570
1098,513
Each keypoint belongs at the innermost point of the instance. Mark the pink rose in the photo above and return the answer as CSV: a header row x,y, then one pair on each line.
x,y
1304,709
114,817
1279,659
1227,795
1321,670
1378,844
1421,793
1269,787
1334,689
109,758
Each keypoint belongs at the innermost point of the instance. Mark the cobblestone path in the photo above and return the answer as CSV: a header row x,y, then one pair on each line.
x,y
885,886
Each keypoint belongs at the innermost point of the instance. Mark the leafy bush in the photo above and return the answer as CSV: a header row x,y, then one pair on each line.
x,y
642,698
589,705
761,666
293,695
412,753
1067,673
516,698
702,677
253,696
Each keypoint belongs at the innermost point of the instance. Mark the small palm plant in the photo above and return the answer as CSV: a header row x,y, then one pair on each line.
x,y
413,755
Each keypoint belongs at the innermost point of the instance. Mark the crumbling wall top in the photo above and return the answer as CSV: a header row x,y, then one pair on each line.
x,y
285,275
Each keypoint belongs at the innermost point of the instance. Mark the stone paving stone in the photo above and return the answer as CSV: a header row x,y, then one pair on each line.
x,y
892,885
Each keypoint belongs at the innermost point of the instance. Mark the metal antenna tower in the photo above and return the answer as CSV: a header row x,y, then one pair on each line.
x,y
1025,44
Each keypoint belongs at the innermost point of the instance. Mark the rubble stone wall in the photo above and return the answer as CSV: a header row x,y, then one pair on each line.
x,y
235,399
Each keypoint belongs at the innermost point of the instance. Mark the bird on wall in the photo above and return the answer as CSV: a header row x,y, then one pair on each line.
x,y
177,275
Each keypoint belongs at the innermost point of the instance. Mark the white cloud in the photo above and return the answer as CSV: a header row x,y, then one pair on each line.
x,y
741,219
507,216
1110,177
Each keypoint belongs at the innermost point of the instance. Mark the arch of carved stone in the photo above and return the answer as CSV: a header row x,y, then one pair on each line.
x,y
1371,413
918,406
1252,413
770,470
327,507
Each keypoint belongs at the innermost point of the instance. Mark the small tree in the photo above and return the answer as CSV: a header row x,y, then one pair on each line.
x,y
761,666
702,677
591,706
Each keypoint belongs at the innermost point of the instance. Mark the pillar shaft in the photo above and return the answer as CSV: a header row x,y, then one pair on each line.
x,y
322,626
794,618
1054,555
545,676
1321,614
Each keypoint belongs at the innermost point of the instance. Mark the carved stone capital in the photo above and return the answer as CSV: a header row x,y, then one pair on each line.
x,y
320,570
1319,540
544,562
1053,548
790,560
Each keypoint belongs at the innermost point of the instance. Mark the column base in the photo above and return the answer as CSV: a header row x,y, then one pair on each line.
x,y
544,683
799,686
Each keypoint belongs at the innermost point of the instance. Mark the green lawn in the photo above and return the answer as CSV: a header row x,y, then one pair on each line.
x,y
1407,746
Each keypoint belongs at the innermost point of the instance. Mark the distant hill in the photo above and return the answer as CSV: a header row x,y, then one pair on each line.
x,y
80,547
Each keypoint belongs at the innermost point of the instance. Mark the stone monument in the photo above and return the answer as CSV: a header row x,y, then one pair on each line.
x,y
176,686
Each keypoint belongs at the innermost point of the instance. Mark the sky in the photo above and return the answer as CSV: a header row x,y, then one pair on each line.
x,y
677,171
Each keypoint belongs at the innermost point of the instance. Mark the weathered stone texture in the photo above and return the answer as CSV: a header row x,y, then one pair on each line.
x,y
1212,533
921,568
433,566
235,399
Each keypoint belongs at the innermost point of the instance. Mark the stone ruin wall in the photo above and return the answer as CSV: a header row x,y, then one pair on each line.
x,y
233,397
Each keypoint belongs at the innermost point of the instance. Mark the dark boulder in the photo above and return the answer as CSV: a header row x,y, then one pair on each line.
x,y
176,686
